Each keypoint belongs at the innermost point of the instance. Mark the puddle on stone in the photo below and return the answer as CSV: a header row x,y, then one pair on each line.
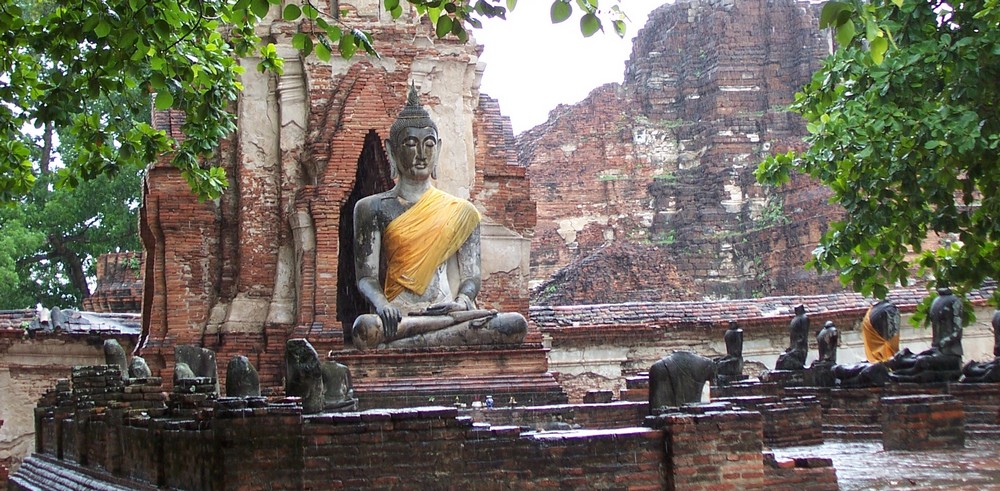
x,y
865,466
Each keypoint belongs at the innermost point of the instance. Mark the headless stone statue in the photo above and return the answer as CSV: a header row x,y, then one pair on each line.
x,y
194,362
730,367
322,386
821,373
241,378
989,371
137,368
861,375
943,361
828,339
794,357
114,354
679,379
416,230
338,389
880,331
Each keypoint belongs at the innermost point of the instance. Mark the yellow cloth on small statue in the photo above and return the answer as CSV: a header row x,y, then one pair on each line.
x,y
877,348
424,237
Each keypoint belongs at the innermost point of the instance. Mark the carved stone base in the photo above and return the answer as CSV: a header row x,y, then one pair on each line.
x,y
418,377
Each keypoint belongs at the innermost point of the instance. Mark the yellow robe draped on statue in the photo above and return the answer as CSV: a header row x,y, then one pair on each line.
x,y
424,237
877,348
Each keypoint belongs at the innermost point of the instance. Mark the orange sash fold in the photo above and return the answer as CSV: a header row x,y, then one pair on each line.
x,y
877,348
424,237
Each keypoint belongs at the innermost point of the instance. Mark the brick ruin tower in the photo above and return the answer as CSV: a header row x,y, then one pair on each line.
x,y
645,189
272,258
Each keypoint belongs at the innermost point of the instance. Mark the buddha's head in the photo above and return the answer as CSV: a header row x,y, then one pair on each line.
x,y
413,141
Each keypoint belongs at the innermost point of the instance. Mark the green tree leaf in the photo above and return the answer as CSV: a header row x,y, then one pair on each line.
x,y
260,7
444,25
589,24
291,12
323,52
845,33
102,29
619,27
831,12
560,11
164,100
878,48
347,46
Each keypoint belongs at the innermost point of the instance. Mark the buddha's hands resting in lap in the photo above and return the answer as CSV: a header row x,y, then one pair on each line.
x,y
390,316
460,303
444,308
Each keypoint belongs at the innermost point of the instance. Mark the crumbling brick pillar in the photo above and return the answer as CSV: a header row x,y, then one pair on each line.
x,y
715,450
922,422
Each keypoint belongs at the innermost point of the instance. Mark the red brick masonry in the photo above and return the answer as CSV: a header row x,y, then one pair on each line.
x,y
257,444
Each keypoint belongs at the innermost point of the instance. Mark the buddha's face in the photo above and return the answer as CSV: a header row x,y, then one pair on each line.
x,y
416,154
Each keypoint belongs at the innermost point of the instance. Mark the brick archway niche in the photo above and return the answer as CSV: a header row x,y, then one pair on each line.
x,y
373,176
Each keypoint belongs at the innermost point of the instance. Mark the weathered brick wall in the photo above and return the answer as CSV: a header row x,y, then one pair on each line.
x,y
260,443
706,451
563,416
787,421
922,422
645,189
859,413
28,367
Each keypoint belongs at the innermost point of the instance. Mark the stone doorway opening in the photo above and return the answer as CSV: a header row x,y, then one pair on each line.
x,y
372,176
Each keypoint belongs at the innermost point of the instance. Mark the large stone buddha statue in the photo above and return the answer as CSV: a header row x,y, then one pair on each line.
x,y
414,231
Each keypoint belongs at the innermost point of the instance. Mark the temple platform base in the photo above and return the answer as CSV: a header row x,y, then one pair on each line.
x,y
516,376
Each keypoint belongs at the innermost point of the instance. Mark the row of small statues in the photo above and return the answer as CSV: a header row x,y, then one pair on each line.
x,y
322,385
942,362
679,378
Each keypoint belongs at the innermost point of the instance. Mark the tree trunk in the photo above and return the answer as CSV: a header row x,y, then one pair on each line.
x,y
43,163
73,263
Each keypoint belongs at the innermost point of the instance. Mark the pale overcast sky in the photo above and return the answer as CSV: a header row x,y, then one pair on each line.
x,y
532,65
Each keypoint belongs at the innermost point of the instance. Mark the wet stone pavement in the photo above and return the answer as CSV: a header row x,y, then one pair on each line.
x,y
865,466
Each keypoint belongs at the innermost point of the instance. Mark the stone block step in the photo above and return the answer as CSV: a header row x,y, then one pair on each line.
x,y
42,473
851,435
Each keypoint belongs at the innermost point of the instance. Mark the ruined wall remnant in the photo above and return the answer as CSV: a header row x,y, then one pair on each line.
x,y
662,165
270,259
32,359
119,284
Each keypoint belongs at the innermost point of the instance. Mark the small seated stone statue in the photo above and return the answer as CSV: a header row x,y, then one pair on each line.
x,y
323,386
730,367
678,379
794,357
415,231
986,372
943,361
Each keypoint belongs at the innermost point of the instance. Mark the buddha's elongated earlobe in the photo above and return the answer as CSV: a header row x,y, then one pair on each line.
x,y
393,171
